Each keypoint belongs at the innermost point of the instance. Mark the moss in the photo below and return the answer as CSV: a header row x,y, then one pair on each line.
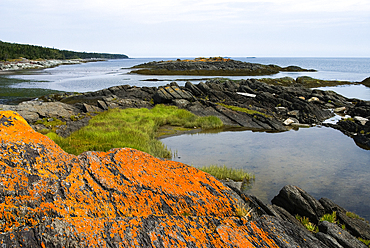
x,y
51,123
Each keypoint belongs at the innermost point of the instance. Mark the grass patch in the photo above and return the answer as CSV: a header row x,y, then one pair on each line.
x,y
224,173
307,224
243,211
133,128
365,241
332,218
245,110
354,216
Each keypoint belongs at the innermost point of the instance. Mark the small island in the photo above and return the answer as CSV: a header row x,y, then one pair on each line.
x,y
213,66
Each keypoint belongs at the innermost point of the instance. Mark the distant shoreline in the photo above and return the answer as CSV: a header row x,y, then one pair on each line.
x,y
12,67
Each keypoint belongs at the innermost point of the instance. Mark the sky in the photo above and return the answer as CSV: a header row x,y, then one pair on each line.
x,y
192,28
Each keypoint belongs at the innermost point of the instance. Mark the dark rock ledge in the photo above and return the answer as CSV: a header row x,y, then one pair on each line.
x,y
247,103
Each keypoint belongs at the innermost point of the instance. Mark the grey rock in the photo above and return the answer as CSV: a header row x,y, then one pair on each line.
x,y
328,240
285,234
342,236
102,105
297,201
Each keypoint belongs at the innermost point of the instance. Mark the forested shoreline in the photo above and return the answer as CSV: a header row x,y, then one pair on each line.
x,y
10,51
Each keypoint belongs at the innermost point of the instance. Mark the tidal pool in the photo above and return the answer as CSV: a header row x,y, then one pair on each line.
x,y
320,160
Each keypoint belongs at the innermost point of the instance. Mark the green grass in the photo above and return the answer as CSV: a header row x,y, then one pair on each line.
x,y
307,224
354,216
332,218
133,128
223,173
365,241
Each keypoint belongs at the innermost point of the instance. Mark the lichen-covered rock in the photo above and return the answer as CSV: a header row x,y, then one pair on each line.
x,y
120,198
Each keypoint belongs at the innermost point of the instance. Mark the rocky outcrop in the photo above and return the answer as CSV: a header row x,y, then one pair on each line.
x,y
366,82
247,103
358,125
344,233
210,67
122,198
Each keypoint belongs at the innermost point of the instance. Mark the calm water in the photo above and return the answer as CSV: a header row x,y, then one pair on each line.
x,y
322,161
100,75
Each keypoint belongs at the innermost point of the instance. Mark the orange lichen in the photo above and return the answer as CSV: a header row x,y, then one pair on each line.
x,y
104,196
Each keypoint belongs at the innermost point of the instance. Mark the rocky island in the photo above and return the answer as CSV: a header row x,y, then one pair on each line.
x,y
214,66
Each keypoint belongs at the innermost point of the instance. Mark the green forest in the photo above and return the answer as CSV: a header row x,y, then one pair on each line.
x,y
9,51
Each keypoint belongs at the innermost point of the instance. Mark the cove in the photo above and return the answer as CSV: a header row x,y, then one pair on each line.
x,y
321,160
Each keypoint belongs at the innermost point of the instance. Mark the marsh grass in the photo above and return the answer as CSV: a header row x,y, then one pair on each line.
x,y
133,128
224,173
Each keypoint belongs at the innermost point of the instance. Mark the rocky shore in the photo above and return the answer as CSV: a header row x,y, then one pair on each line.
x,y
249,103
126,198
216,66
25,64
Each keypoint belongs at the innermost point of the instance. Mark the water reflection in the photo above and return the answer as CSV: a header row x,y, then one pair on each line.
x,y
321,160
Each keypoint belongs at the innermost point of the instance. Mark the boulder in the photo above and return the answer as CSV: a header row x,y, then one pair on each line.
x,y
297,201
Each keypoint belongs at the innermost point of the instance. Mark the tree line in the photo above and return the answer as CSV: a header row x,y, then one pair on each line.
x,y
10,51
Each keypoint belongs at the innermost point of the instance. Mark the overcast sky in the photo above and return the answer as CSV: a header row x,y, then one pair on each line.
x,y
192,28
